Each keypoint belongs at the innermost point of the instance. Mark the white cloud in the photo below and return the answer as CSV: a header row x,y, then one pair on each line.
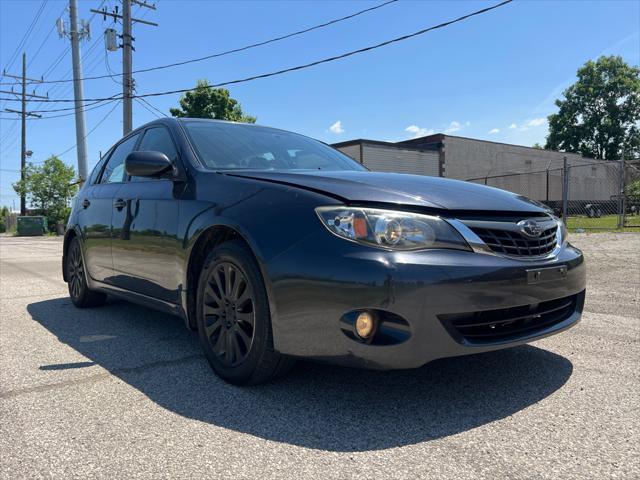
x,y
418,132
337,128
512,126
494,130
536,122
453,127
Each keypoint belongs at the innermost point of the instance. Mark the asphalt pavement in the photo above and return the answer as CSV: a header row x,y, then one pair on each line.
x,y
122,391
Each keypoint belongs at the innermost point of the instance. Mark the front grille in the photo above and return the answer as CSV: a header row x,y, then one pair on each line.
x,y
514,243
509,324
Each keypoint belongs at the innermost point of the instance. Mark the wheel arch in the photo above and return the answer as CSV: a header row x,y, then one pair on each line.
x,y
69,235
206,239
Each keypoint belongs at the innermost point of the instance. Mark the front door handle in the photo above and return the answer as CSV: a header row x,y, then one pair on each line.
x,y
86,203
120,204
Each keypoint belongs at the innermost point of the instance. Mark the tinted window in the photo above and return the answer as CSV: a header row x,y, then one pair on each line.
x,y
114,171
157,139
96,170
238,146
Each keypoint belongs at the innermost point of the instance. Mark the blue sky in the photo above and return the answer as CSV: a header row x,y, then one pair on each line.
x,y
492,77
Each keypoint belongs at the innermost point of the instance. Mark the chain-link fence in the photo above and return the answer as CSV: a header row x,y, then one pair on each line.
x,y
631,197
590,195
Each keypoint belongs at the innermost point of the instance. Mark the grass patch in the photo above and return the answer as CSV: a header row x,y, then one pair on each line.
x,y
605,223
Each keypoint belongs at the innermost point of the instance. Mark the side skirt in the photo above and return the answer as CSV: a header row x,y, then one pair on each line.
x,y
140,299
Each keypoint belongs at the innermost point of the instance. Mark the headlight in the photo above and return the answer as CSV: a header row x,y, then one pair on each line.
x,y
390,229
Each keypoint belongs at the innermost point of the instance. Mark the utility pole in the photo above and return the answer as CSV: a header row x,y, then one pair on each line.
x,y
127,87
621,194
76,33
24,96
565,190
127,53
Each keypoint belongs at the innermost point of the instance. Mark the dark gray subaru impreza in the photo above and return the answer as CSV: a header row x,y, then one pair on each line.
x,y
275,246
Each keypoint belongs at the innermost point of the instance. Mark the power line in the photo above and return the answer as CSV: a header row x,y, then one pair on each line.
x,y
54,64
108,67
241,49
10,131
23,117
53,27
86,55
127,54
92,130
307,65
63,54
11,143
95,106
26,35
45,117
23,42
153,107
139,100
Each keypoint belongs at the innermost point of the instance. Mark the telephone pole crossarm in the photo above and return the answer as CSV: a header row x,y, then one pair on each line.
x,y
29,114
117,16
18,77
151,6
29,95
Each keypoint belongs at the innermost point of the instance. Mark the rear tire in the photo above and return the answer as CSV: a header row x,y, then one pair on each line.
x,y
233,318
81,295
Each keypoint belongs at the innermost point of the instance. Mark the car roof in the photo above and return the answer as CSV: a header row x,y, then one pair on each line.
x,y
180,120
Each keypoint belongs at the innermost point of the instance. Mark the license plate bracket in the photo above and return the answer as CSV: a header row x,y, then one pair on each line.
x,y
548,274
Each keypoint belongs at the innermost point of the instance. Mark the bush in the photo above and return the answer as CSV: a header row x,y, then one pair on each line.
x,y
633,189
3,227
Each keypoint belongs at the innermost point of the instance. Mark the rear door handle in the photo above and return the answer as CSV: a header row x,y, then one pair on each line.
x,y
86,203
120,204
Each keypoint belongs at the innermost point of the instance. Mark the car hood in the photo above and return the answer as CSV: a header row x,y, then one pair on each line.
x,y
403,189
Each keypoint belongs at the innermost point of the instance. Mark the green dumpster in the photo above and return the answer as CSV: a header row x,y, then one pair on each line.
x,y
31,226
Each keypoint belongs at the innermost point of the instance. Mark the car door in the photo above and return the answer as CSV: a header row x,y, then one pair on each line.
x,y
97,209
145,245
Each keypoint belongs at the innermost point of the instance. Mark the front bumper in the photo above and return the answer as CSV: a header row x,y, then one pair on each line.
x,y
313,284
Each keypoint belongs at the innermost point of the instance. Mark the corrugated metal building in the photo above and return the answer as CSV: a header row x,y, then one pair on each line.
x,y
511,167
392,157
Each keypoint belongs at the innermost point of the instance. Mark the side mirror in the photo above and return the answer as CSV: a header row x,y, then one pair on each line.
x,y
147,164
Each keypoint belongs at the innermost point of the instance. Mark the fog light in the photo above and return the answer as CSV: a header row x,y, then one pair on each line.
x,y
365,325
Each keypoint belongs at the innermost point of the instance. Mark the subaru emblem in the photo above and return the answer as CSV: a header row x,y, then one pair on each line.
x,y
530,228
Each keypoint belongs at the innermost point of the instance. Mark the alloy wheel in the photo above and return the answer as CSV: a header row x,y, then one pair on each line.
x,y
75,271
229,313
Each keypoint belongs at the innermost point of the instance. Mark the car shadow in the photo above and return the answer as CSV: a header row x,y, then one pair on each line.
x,y
316,406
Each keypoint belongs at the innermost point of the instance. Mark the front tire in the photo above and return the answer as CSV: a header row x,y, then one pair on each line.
x,y
81,295
234,322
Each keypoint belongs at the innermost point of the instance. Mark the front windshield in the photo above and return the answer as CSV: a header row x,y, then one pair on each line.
x,y
238,146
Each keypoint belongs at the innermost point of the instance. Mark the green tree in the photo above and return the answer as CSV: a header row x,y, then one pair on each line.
x,y
633,189
205,101
49,187
4,212
600,113
538,146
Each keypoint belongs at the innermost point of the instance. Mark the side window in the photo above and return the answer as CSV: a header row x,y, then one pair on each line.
x,y
114,171
93,178
156,139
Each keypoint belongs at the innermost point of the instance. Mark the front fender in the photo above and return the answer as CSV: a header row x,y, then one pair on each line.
x,y
271,220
